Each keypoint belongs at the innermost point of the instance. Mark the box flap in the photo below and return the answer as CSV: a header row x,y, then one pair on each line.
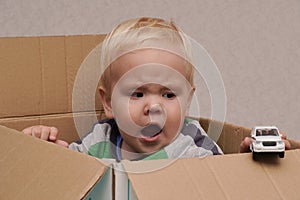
x,y
235,176
31,168
47,68
68,130
230,137
39,74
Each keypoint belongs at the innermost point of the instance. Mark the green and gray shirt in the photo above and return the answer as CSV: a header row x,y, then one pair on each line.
x,y
103,142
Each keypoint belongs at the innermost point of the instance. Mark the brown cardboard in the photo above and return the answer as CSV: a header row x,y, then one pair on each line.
x,y
34,169
230,137
64,123
41,72
37,77
235,176
38,74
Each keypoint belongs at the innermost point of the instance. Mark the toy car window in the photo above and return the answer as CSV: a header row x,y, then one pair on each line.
x,y
267,132
273,132
258,132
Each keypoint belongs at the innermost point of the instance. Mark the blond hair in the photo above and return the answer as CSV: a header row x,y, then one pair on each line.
x,y
143,33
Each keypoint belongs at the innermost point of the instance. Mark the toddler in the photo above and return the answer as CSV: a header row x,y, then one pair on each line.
x,y
146,88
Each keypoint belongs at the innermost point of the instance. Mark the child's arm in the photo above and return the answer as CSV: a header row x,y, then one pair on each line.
x,y
245,144
45,133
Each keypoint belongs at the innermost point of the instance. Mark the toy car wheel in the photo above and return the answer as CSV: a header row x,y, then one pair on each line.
x,y
281,154
254,155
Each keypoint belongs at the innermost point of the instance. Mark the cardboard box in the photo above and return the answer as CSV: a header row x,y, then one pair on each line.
x,y
234,176
35,169
37,78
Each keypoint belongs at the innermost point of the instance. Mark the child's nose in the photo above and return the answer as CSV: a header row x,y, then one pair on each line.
x,y
153,108
156,113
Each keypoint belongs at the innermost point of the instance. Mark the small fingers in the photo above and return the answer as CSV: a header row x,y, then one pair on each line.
x,y
53,134
42,132
283,135
45,132
245,145
36,131
287,144
48,133
27,131
62,143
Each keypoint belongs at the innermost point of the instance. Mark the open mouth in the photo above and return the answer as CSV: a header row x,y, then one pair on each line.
x,y
151,131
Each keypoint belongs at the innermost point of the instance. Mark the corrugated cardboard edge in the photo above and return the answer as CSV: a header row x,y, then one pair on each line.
x,y
232,176
68,129
33,169
232,135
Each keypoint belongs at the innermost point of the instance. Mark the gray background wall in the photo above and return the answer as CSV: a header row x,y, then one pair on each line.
x,y
255,44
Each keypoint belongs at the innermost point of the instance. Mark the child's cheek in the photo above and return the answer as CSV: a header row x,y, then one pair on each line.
x,y
123,115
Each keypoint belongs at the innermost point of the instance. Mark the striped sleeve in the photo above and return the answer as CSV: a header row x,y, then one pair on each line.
x,y
193,129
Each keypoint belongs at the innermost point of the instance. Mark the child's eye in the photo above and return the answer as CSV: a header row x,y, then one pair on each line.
x,y
169,95
137,95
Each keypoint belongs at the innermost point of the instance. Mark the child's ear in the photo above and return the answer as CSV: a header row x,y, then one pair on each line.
x,y
105,100
191,94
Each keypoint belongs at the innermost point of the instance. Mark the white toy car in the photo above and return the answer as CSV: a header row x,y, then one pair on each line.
x,y
267,139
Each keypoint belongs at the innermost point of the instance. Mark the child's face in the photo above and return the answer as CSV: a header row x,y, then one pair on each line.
x,y
150,98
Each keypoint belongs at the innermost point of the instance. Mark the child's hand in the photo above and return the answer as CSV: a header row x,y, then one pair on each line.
x,y
45,133
245,144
